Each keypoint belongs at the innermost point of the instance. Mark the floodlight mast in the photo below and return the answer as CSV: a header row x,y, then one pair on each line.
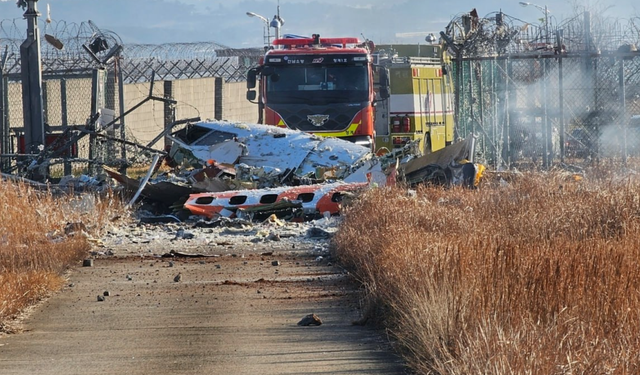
x,y
545,10
34,133
266,33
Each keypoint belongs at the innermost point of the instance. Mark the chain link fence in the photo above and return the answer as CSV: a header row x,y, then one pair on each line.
x,y
73,94
68,104
563,91
538,110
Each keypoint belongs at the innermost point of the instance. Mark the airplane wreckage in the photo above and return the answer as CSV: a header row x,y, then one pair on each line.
x,y
253,171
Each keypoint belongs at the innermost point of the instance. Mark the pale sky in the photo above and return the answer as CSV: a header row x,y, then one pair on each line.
x,y
226,22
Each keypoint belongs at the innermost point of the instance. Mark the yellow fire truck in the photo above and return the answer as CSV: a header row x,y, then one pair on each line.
x,y
420,106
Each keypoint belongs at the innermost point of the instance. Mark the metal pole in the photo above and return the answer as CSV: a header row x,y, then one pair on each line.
x,y
95,106
494,112
546,24
623,110
45,113
593,81
457,98
169,113
150,172
123,149
587,30
4,120
548,133
279,23
4,112
471,114
481,96
266,24
561,106
32,82
110,103
65,123
508,118
502,112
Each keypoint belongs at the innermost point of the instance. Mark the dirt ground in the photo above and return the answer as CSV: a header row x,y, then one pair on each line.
x,y
233,311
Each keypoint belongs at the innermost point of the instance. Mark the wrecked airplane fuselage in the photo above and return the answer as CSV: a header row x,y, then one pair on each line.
x,y
292,153
309,201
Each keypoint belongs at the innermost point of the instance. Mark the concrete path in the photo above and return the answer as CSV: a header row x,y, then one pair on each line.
x,y
228,315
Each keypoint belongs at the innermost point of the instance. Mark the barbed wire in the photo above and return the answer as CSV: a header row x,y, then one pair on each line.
x,y
184,51
499,34
174,60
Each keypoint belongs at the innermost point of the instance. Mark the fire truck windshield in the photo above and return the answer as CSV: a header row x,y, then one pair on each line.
x,y
317,84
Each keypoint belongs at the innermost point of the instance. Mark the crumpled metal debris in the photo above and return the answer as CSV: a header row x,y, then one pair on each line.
x,y
253,171
169,187
222,156
294,153
450,166
310,320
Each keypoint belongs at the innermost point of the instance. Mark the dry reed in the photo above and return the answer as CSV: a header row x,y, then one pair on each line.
x,y
36,243
536,277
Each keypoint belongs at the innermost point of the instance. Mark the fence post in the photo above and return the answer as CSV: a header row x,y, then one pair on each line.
x,y
65,122
218,109
457,87
548,132
97,101
503,119
507,113
481,100
169,111
494,111
123,149
513,116
471,115
456,95
92,121
561,107
590,79
4,121
45,99
110,103
622,117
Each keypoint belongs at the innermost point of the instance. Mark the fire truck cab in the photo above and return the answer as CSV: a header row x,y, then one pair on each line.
x,y
318,85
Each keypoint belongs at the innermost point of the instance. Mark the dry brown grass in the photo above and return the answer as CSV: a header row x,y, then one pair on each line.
x,y
536,277
35,249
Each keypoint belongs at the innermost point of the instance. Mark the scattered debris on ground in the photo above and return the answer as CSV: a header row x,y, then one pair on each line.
x,y
310,320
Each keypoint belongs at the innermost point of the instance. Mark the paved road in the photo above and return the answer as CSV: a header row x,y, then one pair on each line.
x,y
228,315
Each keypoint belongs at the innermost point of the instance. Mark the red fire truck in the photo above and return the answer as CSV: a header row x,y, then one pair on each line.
x,y
319,85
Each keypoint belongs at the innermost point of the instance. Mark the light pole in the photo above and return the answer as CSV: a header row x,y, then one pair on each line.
x,y
546,17
34,132
266,34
